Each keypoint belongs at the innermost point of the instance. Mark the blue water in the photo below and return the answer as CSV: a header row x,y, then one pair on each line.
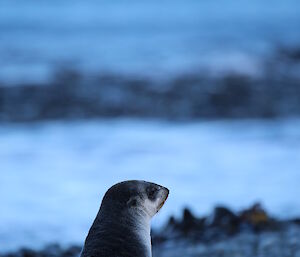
x,y
53,175
145,37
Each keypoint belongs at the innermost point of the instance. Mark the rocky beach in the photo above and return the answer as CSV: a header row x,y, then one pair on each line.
x,y
249,233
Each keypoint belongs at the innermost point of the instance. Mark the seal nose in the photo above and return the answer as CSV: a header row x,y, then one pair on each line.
x,y
164,193
164,189
167,191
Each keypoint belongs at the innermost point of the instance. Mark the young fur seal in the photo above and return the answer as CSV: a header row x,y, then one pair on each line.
x,y
122,225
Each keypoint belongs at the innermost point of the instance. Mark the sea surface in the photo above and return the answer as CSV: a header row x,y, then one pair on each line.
x,y
53,175
157,38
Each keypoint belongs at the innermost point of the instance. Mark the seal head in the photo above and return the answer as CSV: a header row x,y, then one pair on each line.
x,y
122,225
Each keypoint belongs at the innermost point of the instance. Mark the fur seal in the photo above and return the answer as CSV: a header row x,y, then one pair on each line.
x,y
122,225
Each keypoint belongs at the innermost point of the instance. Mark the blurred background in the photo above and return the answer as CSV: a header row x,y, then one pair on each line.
x,y
200,96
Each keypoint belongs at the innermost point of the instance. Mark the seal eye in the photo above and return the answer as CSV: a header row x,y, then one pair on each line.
x,y
151,192
132,203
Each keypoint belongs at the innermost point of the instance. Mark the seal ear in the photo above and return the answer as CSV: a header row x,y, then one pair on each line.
x,y
132,202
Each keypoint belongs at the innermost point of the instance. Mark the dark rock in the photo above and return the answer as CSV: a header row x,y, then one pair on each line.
x,y
72,94
211,232
296,221
258,219
233,96
223,223
25,252
71,251
52,250
66,76
189,226
189,221
172,222
225,220
292,54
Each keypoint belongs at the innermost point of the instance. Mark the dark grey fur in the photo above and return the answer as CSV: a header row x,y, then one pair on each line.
x,y
121,223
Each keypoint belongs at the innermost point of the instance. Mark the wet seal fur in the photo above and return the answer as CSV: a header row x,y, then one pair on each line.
x,y
122,225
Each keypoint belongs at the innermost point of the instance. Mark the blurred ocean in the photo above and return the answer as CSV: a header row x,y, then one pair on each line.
x,y
141,37
151,59
53,175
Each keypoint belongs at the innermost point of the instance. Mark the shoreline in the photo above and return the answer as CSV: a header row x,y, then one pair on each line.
x,y
71,94
251,232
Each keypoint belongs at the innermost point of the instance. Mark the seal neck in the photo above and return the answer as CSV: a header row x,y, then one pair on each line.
x,y
119,232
